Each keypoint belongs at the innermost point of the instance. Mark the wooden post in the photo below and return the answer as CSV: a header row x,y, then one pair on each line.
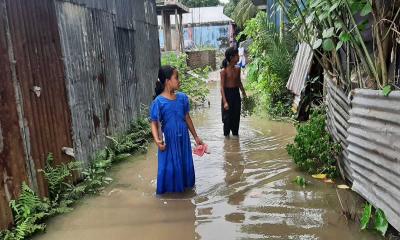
x,y
166,22
177,31
181,32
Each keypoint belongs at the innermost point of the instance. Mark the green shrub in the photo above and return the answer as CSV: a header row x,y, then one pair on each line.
x,y
29,212
192,81
313,149
270,68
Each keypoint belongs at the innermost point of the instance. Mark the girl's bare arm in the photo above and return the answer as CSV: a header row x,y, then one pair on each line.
x,y
157,139
192,130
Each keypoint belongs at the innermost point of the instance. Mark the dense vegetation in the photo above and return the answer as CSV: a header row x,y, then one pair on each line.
x,y
270,67
314,150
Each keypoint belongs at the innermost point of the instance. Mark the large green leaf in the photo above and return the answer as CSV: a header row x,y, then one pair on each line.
x,y
366,216
310,18
327,33
344,37
323,16
301,181
328,44
317,44
339,45
334,6
367,9
338,25
381,223
387,90
356,7
316,3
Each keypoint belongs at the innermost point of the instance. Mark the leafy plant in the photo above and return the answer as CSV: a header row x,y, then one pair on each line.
x,y
135,140
230,7
387,90
28,210
57,176
313,150
29,213
244,11
192,81
339,31
269,70
301,181
248,106
381,224
366,216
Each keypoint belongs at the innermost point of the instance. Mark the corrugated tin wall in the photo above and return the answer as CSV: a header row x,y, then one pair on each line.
x,y
9,126
374,150
301,68
147,51
39,96
338,107
77,66
108,5
368,128
92,75
111,64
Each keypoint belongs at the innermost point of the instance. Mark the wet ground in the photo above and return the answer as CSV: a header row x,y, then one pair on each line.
x,y
244,190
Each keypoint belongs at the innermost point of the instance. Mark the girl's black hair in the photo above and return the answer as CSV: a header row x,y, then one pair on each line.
x,y
164,74
229,54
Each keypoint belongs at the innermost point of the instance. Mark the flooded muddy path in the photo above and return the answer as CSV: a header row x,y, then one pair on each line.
x,y
244,190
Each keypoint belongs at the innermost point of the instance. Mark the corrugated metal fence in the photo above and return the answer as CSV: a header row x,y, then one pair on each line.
x,y
71,72
374,150
368,127
301,68
338,106
35,117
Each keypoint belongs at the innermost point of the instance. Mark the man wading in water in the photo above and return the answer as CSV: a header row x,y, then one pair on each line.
x,y
230,85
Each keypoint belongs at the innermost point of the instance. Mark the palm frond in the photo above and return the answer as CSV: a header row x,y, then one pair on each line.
x,y
244,11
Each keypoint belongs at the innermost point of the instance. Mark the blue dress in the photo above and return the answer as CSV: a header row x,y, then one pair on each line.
x,y
175,164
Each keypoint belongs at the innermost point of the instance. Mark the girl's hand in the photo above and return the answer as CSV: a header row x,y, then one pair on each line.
x,y
161,145
226,106
198,141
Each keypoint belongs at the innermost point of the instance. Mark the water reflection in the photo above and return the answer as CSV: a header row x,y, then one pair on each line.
x,y
233,161
234,167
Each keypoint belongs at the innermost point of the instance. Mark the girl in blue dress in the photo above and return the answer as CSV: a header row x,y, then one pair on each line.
x,y
170,125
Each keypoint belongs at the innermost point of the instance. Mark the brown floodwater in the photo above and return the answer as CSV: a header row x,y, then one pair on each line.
x,y
244,190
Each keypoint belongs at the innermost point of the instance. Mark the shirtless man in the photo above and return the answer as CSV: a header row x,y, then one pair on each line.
x,y
230,85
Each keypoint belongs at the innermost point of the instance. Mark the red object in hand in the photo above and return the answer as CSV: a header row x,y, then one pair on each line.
x,y
199,150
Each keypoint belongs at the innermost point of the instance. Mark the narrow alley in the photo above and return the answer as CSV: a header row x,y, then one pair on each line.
x,y
244,190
